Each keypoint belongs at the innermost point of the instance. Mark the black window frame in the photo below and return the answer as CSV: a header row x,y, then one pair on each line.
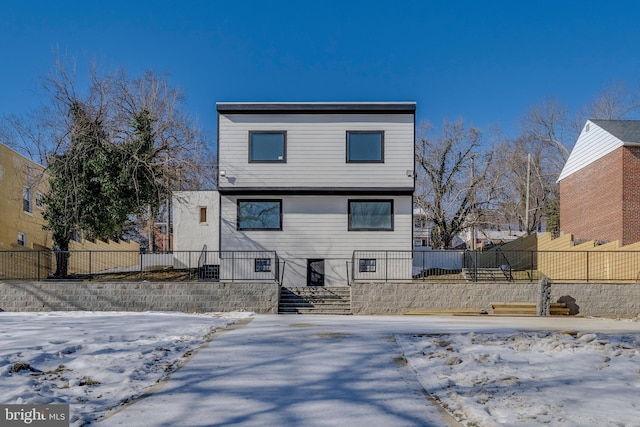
x,y
263,263
351,228
360,132
262,132
240,228
365,265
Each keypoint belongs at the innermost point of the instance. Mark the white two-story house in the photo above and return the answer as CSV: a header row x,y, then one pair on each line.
x,y
315,182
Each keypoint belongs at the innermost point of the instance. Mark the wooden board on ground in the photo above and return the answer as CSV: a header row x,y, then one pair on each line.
x,y
444,312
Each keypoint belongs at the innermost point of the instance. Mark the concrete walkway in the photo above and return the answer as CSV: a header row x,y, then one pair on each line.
x,y
313,371
290,371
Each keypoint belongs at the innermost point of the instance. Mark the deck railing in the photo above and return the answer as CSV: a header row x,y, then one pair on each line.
x,y
496,264
134,265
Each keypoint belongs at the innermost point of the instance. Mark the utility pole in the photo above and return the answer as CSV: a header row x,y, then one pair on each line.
x,y
526,213
475,213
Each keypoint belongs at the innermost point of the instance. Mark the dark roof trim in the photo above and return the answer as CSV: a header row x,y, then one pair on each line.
x,y
628,131
318,191
316,107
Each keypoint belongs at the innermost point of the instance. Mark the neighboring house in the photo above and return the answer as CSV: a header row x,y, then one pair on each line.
x,y
196,218
316,182
22,184
600,183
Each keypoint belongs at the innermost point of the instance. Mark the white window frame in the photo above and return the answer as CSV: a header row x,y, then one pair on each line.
x,y
27,200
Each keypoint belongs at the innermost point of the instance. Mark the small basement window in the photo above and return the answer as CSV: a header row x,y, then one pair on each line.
x,y
263,265
367,266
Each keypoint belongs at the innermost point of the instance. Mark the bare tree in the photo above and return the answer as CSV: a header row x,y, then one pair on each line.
x,y
615,102
113,149
549,125
528,183
453,185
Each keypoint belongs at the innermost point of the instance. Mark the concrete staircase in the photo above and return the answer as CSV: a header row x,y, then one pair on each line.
x,y
315,300
485,275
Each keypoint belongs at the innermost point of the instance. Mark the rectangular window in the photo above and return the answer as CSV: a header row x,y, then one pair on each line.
x,y
39,201
370,215
367,266
259,214
22,239
365,147
268,146
263,265
26,199
203,215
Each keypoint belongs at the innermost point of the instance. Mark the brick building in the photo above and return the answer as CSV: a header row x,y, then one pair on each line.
x,y
600,183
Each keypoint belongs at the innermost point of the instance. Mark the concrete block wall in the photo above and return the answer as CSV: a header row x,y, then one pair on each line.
x,y
139,296
584,299
396,298
598,299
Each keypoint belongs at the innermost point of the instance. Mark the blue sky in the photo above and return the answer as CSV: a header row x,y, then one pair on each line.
x,y
486,62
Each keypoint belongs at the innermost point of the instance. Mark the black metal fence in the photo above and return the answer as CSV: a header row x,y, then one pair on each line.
x,y
134,265
497,265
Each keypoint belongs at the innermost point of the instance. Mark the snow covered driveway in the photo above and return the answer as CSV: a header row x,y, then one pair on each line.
x,y
322,370
291,371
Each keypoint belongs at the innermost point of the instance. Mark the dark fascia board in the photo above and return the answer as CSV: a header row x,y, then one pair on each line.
x,y
318,191
316,107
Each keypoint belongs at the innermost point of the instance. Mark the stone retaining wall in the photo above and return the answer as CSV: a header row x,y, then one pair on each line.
x,y
139,296
584,299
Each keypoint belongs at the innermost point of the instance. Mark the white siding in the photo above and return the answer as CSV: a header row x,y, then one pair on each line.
x,y
316,227
591,145
316,151
189,234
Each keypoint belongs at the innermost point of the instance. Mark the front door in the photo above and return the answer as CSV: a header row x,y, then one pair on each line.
x,y
315,272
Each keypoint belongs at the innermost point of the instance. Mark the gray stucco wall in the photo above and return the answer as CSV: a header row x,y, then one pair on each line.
x,y
585,299
139,296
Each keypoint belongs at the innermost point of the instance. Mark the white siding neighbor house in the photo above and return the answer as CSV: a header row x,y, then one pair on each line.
x,y
316,182
195,220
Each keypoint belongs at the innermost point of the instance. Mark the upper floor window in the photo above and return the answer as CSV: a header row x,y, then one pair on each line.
x,y
39,200
27,196
370,215
203,214
365,146
259,214
268,146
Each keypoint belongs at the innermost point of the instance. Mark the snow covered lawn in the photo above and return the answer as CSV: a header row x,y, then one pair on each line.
x,y
95,361
485,371
531,378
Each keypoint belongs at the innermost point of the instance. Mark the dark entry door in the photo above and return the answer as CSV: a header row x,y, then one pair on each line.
x,y
315,272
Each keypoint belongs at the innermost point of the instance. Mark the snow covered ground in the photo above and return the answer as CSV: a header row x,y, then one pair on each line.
x,y
531,378
485,371
94,361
